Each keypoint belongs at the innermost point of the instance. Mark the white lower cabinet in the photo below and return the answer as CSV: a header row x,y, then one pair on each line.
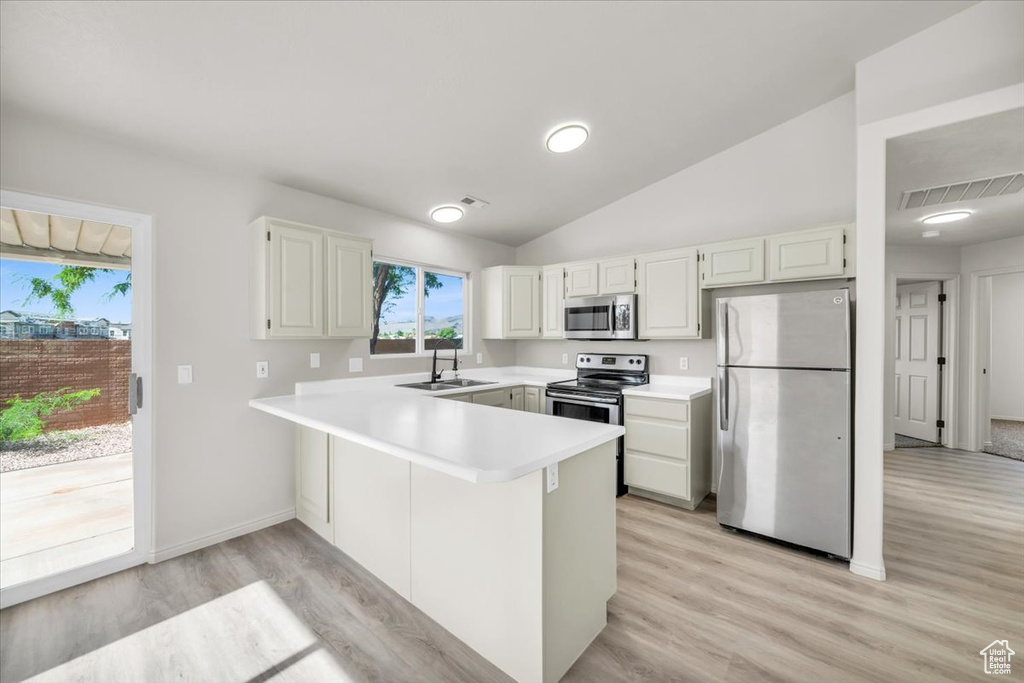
x,y
807,255
533,401
465,398
668,449
313,495
372,507
518,398
499,398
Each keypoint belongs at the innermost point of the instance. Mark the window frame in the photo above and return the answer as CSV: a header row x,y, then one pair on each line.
x,y
467,306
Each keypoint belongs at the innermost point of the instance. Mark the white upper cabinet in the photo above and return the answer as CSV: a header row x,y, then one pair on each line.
x,y
617,276
553,287
670,303
349,276
581,280
286,280
738,262
511,302
306,282
807,255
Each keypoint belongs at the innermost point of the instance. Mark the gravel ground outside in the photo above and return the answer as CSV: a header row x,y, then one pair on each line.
x,y
67,446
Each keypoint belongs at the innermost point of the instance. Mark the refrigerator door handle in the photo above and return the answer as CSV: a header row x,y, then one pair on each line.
x,y
723,333
723,399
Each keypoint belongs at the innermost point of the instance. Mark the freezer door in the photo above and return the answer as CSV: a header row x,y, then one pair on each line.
x,y
784,456
793,330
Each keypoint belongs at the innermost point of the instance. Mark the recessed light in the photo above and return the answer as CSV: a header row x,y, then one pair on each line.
x,y
567,137
947,217
446,214
928,234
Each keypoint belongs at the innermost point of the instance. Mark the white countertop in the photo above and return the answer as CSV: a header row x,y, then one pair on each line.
x,y
473,442
672,388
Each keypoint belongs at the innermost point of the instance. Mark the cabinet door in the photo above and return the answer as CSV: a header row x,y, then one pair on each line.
x,y
617,276
553,285
499,398
669,301
581,280
533,400
313,482
738,262
296,283
518,398
522,303
806,255
349,275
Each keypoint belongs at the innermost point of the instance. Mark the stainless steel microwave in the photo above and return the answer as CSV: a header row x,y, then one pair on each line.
x,y
601,317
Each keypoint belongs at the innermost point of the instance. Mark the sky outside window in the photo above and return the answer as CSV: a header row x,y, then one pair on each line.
x,y
90,301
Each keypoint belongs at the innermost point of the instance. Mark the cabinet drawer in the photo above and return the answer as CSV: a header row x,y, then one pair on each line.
x,y
663,410
649,472
670,439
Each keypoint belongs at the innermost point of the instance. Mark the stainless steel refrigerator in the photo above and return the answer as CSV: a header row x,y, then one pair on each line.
x,y
784,442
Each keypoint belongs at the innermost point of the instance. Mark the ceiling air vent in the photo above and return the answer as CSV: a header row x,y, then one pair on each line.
x,y
473,202
962,191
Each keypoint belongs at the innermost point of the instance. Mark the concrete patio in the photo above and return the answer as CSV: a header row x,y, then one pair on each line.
x,y
57,517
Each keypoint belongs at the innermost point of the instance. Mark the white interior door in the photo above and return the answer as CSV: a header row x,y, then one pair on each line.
x,y
917,360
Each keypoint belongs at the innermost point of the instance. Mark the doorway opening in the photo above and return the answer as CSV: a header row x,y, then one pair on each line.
x,y
1000,298
74,447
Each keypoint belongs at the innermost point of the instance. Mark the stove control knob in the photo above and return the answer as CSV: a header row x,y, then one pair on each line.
x,y
630,361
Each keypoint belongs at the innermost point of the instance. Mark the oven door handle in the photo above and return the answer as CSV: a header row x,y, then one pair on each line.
x,y
576,400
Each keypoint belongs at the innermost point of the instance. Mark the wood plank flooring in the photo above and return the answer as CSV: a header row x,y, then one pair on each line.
x,y
695,603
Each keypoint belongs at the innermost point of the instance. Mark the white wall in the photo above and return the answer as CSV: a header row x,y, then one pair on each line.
x,y
797,175
220,464
977,50
1006,385
973,52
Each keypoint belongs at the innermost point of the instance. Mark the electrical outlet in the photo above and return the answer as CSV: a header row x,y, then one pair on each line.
x,y
355,364
262,369
184,374
552,471
479,358
684,363
314,360
565,359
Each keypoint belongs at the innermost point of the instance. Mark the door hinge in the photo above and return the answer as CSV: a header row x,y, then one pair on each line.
x,y
942,360
844,238
844,263
942,298
940,424
268,323
268,235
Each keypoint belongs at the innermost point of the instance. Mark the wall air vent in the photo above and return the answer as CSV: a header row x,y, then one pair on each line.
x,y
474,202
962,191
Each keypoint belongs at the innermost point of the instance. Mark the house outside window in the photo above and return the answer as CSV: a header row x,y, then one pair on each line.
x,y
416,307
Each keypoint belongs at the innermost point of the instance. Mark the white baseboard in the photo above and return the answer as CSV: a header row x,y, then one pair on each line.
x,y
1006,417
888,446
868,571
220,536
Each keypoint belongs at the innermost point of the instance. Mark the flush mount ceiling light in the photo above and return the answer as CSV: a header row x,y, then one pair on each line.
x,y
928,234
446,214
947,217
567,137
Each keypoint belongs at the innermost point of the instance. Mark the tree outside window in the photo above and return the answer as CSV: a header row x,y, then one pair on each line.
x,y
415,307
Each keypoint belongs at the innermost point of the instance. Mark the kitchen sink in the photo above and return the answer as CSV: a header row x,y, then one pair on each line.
x,y
447,384
466,382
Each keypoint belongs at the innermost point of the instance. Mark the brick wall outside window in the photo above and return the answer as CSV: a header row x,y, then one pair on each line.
x,y
30,366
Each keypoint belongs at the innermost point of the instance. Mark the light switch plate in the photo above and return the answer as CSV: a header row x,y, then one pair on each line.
x,y
552,472
565,359
262,369
314,360
684,363
355,364
184,374
479,358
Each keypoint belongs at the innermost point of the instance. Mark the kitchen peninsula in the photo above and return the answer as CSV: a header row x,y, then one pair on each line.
x,y
498,524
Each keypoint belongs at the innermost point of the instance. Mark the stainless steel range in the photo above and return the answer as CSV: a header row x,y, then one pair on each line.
x,y
596,393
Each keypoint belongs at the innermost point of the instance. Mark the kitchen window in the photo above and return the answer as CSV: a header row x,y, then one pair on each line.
x,y
415,307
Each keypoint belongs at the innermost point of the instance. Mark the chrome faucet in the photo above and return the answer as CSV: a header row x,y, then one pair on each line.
x,y
434,374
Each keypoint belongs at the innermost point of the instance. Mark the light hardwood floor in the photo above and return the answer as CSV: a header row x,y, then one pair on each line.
x,y
695,603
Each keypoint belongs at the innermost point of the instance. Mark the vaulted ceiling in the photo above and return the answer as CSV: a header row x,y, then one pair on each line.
x,y
402,106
